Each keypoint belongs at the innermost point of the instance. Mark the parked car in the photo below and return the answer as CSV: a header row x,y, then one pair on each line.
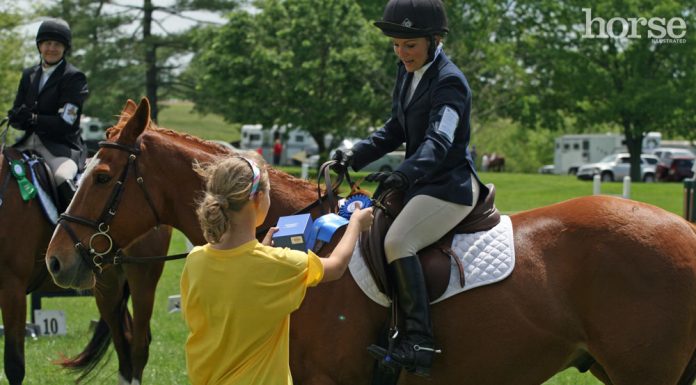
x,y
388,162
616,166
665,154
679,168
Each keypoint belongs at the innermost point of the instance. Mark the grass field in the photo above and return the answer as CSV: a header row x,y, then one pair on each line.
x,y
516,192
179,116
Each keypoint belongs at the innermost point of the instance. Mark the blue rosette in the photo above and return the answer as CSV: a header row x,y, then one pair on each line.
x,y
352,202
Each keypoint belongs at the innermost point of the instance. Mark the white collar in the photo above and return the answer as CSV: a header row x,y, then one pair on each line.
x,y
51,68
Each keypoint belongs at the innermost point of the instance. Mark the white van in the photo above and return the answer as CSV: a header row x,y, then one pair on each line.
x,y
93,132
298,144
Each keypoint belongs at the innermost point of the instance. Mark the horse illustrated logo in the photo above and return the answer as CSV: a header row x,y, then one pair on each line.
x,y
407,23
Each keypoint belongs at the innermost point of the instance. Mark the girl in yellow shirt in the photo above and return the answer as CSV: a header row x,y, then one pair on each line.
x,y
236,293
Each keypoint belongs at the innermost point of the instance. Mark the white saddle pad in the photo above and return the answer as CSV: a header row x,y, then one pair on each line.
x,y
49,208
487,257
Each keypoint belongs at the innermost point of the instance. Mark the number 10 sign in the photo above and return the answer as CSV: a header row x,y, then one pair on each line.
x,y
51,322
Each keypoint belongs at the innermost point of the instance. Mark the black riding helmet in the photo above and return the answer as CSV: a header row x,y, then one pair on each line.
x,y
55,29
413,18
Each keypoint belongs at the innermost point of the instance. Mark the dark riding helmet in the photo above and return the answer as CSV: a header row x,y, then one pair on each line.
x,y
55,29
407,19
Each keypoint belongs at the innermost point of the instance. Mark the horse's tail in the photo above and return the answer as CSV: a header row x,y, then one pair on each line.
x,y
86,361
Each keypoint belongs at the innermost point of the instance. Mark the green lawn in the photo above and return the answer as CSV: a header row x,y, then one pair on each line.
x,y
516,192
179,116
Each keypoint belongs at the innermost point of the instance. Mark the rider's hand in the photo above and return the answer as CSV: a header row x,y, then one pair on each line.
x,y
22,117
395,180
363,217
344,159
268,239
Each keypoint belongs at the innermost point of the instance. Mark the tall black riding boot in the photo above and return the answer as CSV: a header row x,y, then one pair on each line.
x,y
66,191
415,348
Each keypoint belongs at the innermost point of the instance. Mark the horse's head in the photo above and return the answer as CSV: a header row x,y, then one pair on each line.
x,y
140,177
114,204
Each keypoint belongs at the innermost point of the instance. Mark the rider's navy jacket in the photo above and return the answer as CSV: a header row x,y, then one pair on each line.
x,y
67,84
436,129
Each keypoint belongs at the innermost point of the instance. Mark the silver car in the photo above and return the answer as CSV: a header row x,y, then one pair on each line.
x,y
617,166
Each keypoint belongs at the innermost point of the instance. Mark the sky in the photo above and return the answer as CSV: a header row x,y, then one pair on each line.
x,y
170,23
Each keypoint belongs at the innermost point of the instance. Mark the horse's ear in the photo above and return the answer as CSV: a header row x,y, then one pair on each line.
x,y
137,123
127,112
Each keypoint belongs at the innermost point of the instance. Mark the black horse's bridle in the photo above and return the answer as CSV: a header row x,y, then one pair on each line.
x,y
96,259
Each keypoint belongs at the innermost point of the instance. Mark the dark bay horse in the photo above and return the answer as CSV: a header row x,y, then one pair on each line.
x,y
24,235
600,282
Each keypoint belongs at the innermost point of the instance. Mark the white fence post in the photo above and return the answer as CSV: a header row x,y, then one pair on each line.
x,y
627,187
596,184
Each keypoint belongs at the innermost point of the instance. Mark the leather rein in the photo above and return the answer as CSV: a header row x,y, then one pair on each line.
x,y
97,259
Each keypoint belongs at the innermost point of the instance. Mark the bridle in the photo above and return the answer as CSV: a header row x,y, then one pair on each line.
x,y
90,256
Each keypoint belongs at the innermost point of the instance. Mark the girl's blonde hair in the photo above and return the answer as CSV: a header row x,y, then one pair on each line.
x,y
228,187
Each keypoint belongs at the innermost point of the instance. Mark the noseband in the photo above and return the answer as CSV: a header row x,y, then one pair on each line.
x,y
90,256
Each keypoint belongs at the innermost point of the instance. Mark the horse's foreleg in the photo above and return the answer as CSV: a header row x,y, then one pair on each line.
x,y
112,299
598,371
13,302
143,281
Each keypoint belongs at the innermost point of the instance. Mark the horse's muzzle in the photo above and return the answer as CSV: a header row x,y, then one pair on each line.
x,y
69,276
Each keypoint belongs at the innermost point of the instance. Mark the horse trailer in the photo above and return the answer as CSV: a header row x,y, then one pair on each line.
x,y
572,151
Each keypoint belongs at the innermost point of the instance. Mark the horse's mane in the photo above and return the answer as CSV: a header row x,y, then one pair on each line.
x,y
284,178
115,131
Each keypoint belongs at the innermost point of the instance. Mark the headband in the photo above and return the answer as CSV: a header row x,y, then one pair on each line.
x,y
256,177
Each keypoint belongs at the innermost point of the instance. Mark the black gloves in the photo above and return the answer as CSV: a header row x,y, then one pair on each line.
x,y
343,161
395,180
22,117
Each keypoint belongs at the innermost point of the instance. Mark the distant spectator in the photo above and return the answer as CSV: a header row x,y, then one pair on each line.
x,y
277,151
485,160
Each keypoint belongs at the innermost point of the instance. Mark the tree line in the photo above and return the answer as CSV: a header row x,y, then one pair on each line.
x,y
322,66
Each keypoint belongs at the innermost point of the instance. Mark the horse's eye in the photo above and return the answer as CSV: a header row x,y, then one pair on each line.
x,y
103,178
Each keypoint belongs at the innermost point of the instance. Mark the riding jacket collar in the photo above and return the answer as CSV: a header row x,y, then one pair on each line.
x,y
418,75
46,73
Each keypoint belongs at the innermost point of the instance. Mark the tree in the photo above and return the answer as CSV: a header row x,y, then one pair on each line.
x,y
11,54
302,63
627,79
123,55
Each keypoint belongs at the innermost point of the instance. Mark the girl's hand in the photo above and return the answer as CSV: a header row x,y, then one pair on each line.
x,y
268,239
363,217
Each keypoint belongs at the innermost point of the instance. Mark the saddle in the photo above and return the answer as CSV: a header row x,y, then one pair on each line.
x,y
435,259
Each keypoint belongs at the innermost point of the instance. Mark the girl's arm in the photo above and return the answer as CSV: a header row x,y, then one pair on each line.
x,y
335,265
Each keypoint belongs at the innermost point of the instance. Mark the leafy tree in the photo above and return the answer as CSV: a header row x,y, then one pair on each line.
x,y
304,63
11,54
635,82
116,45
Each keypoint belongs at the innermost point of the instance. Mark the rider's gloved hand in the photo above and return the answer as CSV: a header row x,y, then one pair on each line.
x,y
21,117
344,159
395,180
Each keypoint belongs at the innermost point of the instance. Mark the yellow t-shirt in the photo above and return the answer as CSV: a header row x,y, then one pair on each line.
x,y
237,306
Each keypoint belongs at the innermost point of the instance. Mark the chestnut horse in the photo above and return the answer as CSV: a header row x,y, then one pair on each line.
x,y
600,282
24,235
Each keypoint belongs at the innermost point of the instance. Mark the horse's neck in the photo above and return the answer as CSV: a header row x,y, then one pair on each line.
x,y
179,184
